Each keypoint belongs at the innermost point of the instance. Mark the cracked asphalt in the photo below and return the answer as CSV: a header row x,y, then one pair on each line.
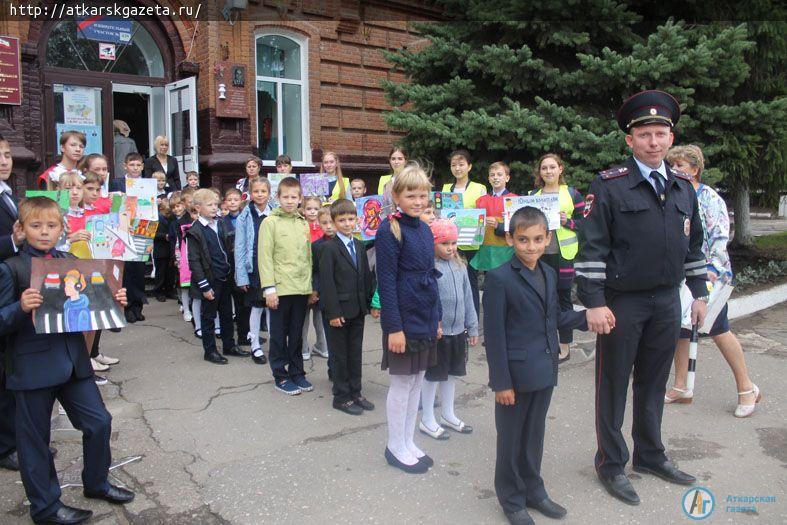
x,y
219,445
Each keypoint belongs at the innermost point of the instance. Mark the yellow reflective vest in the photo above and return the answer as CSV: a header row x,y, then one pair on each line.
x,y
566,239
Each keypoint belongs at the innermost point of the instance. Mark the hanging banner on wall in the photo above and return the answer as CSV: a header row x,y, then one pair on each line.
x,y
10,71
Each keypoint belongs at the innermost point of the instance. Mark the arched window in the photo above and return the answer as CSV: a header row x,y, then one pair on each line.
x,y
106,46
282,108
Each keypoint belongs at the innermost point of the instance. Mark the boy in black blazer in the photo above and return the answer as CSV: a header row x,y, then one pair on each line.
x,y
45,367
521,319
346,289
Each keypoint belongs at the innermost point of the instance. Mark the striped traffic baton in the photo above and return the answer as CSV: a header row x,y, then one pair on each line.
x,y
692,357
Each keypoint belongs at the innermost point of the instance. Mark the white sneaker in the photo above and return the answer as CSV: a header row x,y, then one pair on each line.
x,y
320,352
187,316
307,354
106,360
98,367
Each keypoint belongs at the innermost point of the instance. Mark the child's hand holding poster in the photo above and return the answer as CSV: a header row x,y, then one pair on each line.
x,y
549,204
79,295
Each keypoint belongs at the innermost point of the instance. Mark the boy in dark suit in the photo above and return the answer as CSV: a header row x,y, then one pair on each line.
x,y
521,319
45,367
210,274
346,289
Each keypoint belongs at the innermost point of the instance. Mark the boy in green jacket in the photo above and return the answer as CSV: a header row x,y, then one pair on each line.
x,y
285,262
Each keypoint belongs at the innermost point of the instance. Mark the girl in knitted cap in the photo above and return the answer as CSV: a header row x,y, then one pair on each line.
x,y
459,326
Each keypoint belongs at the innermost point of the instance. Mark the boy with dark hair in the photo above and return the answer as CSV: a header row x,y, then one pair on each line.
x,y
285,266
59,368
346,286
233,199
521,317
210,275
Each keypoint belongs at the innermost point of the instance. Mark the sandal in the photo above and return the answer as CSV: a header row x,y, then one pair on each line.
x,y
685,397
747,410
439,434
461,427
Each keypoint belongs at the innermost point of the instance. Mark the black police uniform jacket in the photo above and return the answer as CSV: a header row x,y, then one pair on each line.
x,y
630,242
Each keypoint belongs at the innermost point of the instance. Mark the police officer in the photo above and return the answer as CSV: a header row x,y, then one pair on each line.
x,y
641,236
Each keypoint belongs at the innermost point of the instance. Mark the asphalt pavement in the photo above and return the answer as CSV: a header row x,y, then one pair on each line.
x,y
207,444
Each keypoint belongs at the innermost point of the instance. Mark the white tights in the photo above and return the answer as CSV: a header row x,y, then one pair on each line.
x,y
447,394
255,320
196,312
402,412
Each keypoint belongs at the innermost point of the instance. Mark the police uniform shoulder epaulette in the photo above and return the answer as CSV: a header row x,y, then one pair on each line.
x,y
681,175
613,173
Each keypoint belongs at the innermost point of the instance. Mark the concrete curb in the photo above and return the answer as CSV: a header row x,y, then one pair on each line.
x,y
749,304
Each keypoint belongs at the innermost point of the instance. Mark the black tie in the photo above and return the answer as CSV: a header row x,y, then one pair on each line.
x,y
659,185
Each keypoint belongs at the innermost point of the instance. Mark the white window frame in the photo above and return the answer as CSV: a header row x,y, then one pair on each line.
x,y
277,81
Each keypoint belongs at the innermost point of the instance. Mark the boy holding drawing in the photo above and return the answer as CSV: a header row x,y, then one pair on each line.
x,y
45,367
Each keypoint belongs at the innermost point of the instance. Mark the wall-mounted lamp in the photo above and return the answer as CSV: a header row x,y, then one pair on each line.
x,y
222,91
232,9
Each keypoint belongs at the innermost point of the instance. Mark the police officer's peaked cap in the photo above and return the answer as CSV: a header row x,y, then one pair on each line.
x,y
648,107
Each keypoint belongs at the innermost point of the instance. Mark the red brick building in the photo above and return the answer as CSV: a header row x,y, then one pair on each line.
x,y
223,80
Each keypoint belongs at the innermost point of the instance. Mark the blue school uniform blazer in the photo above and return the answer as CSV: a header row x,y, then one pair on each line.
x,y
520,328
36,360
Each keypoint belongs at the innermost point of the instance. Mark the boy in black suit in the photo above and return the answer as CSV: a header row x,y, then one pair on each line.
x,y
346,288
521,319
45,367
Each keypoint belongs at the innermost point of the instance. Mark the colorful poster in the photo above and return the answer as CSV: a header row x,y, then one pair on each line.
x,y
106,51
369,215
92,135
116,236
447,201
549,204
469,223
79,295
145,191
316,184
79,105
59,196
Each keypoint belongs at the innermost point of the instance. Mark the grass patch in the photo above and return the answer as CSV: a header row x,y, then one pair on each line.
x,y
775,243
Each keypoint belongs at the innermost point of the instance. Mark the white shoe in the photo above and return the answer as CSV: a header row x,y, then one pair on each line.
x,y
61,410
106,360
684,397
306,355
320,352
98,367
217,331
187,316
747,410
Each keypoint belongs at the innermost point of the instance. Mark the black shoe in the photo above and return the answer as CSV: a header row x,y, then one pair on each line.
x,y
10,462
548,508
161,298
66,515
140,317
237,352
348,407
131,317
426,460
116,330
216,359
115,494
363,403
260,359
418,468
520,517
668,472
620,487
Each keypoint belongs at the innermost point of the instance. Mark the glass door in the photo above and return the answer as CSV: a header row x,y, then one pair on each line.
x,y
181,110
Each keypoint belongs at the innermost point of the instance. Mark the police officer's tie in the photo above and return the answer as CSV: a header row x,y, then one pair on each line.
x,y
658,184
351,247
